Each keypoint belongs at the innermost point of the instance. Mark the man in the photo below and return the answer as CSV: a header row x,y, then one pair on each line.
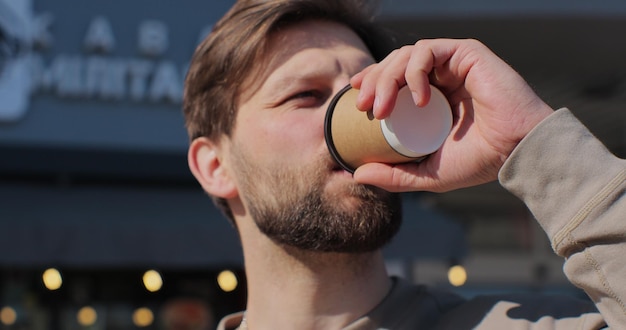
x,y
255,99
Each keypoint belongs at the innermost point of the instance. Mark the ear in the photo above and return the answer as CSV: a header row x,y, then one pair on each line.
x,y
206,165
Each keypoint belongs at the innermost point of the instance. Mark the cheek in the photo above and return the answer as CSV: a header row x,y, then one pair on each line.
x,y
297,134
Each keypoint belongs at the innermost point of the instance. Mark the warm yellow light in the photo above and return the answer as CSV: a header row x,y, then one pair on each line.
x,y
143,317
52,279
152,280
457,275
8,315
227,281
87,316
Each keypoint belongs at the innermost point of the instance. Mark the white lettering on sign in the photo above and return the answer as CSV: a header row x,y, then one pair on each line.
x,y
99,37
95,75
153,38
42,37
110,78
105,78
139,72
63,76
166,84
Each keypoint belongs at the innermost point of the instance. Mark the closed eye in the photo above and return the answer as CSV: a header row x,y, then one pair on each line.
x,y
308,99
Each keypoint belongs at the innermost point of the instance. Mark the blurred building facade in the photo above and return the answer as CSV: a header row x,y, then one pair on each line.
x,y
94,185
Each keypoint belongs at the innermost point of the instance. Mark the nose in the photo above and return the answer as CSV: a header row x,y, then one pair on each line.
x,y
340,83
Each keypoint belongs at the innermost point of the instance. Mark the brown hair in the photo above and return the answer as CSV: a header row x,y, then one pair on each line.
x,y
225,59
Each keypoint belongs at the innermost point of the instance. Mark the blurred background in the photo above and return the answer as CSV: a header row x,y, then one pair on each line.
x,y
103,227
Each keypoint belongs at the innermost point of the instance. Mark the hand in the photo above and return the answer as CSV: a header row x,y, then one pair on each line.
x,y
493,109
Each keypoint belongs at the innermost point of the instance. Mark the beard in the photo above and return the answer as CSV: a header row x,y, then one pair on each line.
x,y
293,208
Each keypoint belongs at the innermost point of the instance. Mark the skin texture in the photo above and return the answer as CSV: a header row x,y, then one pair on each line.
x,y
276,157
279,126
493,109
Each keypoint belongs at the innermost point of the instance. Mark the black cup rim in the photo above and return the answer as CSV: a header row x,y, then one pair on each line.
x,y
328,130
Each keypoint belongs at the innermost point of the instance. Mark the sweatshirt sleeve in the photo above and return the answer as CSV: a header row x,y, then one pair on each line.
x,y
575,189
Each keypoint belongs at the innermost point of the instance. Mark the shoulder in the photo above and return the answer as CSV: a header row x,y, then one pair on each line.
x,y
529,310
405,293
410,306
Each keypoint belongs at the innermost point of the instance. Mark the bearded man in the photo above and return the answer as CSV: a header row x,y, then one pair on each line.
x,y
255,99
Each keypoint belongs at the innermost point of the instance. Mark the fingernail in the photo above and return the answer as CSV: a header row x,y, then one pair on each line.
x,y
376,104
359,98
416,98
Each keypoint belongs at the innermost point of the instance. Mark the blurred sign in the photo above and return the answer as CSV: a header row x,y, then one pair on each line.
x,y
106,65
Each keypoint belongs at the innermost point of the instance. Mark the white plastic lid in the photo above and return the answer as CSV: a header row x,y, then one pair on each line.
x,y
418,131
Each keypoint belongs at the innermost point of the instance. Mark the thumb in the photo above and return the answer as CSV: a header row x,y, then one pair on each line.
x,y
395,178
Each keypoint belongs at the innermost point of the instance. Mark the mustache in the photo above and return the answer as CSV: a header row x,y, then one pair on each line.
x,y
329,163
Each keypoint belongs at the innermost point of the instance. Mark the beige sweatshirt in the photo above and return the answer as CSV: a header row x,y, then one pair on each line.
x,y
575,188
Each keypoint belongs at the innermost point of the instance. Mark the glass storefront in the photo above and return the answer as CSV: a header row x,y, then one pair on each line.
x,y
119,299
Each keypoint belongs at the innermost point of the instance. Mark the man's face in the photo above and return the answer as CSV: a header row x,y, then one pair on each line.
x,y
286,178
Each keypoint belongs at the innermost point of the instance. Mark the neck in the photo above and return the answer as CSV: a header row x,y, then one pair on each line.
x,y
295,289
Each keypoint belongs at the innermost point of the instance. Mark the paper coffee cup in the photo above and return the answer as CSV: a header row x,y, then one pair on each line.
x,y
409,134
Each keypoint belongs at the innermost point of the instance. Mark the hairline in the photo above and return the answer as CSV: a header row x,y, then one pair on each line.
x,y
265,66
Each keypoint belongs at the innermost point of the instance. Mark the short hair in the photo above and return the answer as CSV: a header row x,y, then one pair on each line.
x,y
239,40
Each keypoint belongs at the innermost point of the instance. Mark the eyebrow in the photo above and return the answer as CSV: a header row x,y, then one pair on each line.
x,y
306,74
289,81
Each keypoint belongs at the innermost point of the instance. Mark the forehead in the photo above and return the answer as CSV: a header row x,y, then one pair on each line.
x,y
294,46
312,33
